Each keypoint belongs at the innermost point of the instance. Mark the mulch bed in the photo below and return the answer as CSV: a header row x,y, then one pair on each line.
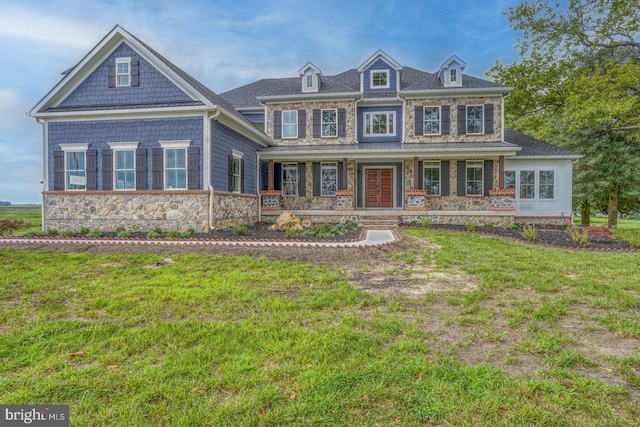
x,y
547,235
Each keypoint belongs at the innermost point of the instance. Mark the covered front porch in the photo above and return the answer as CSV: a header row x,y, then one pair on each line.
x,y
454,184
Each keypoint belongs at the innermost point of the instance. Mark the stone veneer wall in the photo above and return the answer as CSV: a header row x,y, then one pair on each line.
x,y
309,107
411,137
135,211
543,220
504,220
233,208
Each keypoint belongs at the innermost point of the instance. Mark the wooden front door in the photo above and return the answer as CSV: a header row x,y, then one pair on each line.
x,y
378,188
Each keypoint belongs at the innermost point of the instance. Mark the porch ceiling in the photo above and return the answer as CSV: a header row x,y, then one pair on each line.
x,y
390,151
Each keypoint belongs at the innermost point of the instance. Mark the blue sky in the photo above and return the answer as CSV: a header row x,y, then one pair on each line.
x,y
225,44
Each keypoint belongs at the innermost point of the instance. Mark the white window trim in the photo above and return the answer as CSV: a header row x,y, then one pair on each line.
x,y
475,164
374,135
424,120
74,148
453,75
124,60
538,172
322,135
309,81
283,124
175,143
115,171
290,165
466,125
186,166
432,165
536,183
238,155
123,145
387,72
328,165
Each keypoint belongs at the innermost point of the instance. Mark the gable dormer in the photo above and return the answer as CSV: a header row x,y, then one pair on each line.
x,y
311,78
380,73
450,73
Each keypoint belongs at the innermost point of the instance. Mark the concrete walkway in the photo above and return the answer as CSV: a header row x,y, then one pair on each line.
x,y
371,238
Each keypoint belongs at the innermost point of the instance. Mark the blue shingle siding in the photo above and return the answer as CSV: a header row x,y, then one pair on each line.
x,y
398,181
397,125
147,132
153,86
379,65
223,140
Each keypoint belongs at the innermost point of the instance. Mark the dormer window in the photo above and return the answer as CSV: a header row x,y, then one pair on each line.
x,y
123,72
454,76
450,73
379,79
309,80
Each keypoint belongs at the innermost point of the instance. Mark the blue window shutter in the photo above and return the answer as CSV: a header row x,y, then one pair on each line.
x,y
317,123
302,123
462,178
317,179
277,125
340,177
420,176
193,168
242,177
107,170
264,174
342,122
277,176
445,178
58,170
141,169
462,119
135,67
445,119
488,176
302,179
111,77
157,165
488,119
92,170
230,172
419,120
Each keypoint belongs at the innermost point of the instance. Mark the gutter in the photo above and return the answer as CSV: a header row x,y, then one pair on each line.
x,y
449,92
307,96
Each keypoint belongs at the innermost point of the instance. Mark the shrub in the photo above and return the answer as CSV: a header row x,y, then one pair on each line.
x,y
188,233
67,233
84,231
529,233
119,230
157,230
94,233
153,234
324,229
289,231
52,232
580,236
9,226
173,234
227,229
488,225
599,233
239,229
470,226
426,223
123,234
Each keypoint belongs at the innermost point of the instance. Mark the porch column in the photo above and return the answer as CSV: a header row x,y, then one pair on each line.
x,y
501,173
416,178
344,182
270,177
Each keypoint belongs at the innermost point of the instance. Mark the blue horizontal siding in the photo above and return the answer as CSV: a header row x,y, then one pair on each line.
x,y
380,65
223,140
398,124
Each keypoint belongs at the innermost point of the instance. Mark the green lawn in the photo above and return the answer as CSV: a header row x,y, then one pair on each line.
x,y
624,223
30,214
544,337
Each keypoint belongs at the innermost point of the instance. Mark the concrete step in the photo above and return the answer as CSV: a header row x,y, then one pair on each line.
x,y
379,222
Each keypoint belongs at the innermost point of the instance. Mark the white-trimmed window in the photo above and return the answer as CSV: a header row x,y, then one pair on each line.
x,y
175,164
329,125
546,185
290,124
475,119
474,175
379,79
309,80
329,179
75,166
431,178
527,184
123,72
124,165
236,171
289,179
431,120
453,76
379,124
509,180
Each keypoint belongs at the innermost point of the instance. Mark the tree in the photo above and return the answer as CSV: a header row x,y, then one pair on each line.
x,y
580,68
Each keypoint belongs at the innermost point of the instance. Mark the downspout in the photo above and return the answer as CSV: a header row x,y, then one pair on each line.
x,y
210,186
258,163
404,116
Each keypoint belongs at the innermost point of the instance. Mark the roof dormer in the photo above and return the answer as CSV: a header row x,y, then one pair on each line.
x,y
311,78
450,73
380,73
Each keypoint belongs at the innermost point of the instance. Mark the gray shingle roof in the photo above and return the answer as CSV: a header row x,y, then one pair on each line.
x,y
532,147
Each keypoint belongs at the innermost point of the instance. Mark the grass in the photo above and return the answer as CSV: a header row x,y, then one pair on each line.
x,y
28,213
130,339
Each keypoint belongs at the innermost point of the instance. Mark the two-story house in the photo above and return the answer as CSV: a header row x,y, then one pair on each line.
x,y
131,140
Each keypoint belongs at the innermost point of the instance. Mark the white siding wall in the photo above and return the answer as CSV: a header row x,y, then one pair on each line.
x,y
563,178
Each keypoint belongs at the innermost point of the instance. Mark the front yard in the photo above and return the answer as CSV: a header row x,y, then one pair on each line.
x,y
447,328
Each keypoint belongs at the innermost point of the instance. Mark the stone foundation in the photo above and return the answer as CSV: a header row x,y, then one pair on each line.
x,y
232,209
455,203
542,220
135,211
505,221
